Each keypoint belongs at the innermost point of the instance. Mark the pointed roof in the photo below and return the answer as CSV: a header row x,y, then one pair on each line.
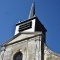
x,y
32,11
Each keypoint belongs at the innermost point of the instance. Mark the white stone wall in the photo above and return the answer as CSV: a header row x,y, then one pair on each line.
x,y
50,55
29,48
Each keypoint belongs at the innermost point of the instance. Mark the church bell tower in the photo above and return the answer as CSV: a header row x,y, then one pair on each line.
x,y
35,49
28,41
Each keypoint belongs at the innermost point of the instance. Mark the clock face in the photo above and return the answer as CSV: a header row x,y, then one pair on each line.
x,y
25,26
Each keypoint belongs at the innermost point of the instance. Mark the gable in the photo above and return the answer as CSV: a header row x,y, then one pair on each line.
x,y
21,37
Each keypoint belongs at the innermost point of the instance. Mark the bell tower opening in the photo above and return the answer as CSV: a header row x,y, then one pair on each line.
x,y
17,56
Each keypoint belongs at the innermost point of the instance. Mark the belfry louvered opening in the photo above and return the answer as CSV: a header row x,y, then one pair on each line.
x,y
25,26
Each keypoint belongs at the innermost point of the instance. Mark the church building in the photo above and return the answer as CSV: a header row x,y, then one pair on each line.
x,y
29,41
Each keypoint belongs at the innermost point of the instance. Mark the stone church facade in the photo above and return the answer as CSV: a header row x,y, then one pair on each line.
x,y
29,41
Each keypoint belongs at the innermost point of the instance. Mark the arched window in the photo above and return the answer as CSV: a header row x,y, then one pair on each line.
x,y
17,56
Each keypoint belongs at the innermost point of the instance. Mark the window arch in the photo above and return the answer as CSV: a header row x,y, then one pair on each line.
x,y
17,56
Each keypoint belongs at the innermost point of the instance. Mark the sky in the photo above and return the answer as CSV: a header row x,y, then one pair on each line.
x,y
48,12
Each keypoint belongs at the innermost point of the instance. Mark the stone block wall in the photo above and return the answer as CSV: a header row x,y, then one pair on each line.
x,y
50,55
29,48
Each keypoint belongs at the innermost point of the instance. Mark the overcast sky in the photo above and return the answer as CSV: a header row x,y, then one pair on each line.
x,y
48,11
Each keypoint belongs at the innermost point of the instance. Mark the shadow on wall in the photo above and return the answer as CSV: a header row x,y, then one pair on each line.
x,y
0,48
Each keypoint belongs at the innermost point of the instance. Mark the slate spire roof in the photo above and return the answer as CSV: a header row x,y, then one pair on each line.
x,y
32,11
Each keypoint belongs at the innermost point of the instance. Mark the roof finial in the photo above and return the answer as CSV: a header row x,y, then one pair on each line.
x,y
32,11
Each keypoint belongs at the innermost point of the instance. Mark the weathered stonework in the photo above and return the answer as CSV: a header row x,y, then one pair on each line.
x,y
29,48
50,55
